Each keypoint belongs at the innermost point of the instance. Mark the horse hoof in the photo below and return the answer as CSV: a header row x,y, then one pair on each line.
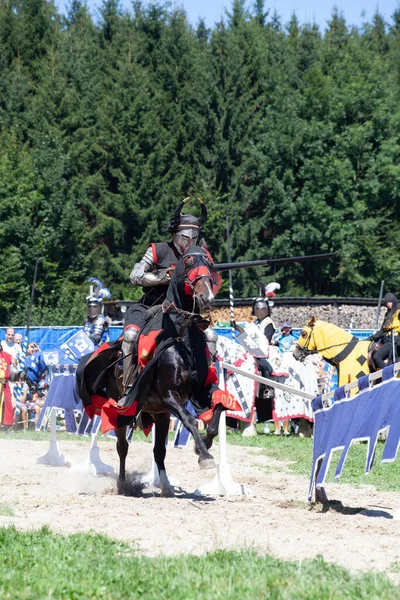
x,y
207,463
167,493
121,487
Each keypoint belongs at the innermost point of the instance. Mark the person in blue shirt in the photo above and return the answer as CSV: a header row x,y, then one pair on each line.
x,y
35,367
285,339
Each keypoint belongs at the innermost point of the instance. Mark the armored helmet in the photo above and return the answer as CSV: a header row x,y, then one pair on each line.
x,y
186,228
98,293
263,304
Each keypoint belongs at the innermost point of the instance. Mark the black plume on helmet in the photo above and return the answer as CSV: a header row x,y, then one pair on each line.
x,y
179,220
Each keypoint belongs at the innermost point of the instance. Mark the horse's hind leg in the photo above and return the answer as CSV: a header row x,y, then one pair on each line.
x,y
160,450
206,460
122,449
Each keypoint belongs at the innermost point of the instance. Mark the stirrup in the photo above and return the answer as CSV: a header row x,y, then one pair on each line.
x,y
122,400
129,378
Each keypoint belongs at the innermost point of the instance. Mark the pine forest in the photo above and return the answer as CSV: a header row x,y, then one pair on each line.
x,y
107,122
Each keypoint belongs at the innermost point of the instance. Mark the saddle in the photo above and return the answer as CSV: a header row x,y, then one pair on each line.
x,y
150,313
372,350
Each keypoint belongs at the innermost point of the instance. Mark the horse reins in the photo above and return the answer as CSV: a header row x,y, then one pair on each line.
x,y
336,359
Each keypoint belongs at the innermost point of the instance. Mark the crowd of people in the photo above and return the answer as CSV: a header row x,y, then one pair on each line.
x,y
21,399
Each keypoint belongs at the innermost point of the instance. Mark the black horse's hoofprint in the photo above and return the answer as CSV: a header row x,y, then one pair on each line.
x,y
176,368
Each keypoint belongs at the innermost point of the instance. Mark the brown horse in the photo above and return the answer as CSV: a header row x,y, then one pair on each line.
x,y
179,370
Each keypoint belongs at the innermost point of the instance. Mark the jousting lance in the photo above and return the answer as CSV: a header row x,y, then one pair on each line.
x,y
272,261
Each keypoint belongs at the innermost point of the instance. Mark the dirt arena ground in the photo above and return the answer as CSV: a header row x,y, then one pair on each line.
x,y
274,517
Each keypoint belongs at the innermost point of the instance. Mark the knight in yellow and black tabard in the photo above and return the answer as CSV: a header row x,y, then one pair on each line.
x,y
390,327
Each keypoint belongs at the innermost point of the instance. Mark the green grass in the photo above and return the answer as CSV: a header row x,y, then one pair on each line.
x,y
297,454
40,564
6,510
63,435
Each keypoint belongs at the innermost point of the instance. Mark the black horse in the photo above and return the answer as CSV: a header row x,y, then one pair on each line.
x,y
179,370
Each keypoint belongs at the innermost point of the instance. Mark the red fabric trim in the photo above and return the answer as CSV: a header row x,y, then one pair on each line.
x,y
212,376
129,411
187,289
220,397
98,401
147,430
109,415
89,410
96,404
280,374
154,251
132,325
198,272
226,399
110,411
5,363
239,362
207,416
147,346
8,410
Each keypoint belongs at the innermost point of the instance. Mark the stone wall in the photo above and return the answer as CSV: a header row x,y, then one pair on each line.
x,y
361,317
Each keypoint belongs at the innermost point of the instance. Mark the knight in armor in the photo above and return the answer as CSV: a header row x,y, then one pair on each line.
x,y
261,309
96,325
153,272
389,334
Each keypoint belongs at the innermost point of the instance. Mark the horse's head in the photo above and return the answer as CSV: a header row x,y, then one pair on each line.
x,y
306,343
201,281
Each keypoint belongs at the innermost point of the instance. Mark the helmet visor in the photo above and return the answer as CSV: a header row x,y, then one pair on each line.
x,y
261,310
186,237
94,309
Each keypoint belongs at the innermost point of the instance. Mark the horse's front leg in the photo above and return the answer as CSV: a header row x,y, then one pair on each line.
x,y
212,427
122,449
160,450
173,401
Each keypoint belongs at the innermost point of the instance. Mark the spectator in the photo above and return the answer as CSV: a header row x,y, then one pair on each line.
x,y
28,402
14,350
32,348
285,339
35,367
18,339
6,404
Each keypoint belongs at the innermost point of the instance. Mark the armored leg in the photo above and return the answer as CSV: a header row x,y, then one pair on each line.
x,y
212,339
129,351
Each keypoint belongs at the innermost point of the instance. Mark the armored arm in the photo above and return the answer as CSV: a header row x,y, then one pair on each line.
x,y
146,274
97,329
269,331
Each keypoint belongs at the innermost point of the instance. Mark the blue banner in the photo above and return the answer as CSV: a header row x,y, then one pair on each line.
x,y
362,418
50,338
